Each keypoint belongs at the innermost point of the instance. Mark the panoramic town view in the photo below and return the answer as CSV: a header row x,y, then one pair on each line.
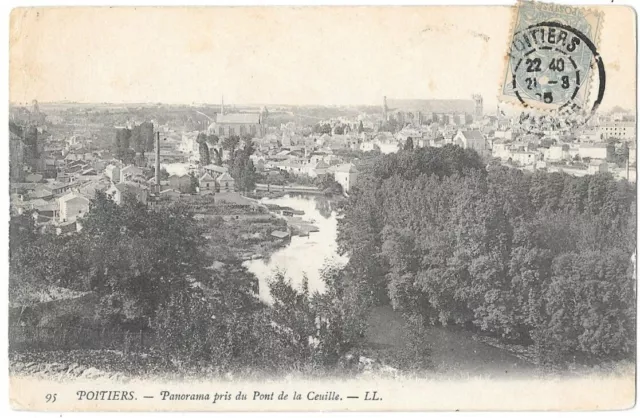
x,y
403,237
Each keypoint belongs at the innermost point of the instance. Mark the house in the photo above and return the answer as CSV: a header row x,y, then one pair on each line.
x,y
501,149
317,170
597,166
128,172
557,153
207,183
113,172
471,140
170,194
59,189
524,157
346,175
600,151
369,146
40,193
226,183
72,206
117,191
181,183
214,170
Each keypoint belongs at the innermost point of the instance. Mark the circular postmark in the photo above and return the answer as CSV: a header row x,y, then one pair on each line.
x,y
552,64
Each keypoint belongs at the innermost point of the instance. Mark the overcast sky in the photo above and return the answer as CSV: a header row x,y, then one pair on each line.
x,y
305,55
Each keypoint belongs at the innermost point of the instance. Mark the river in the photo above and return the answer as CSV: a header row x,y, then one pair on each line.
x,y
303,255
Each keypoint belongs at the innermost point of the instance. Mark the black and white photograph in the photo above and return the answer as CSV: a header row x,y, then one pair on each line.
x,y
322,208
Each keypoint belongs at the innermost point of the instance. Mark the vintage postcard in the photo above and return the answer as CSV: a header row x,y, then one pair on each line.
x,y
353,208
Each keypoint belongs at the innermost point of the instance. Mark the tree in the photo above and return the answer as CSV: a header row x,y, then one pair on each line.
x,y
328,184
322,128
205,158
360,127
446,239
408,145
231,143
193,187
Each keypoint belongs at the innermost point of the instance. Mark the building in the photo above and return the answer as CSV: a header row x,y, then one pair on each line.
x,y
113,172
16,157
249,123
600,151
226,183
238,124
169,194
128,172
557,153
346,175
524,157
72,206
597,166
316,170
473,139
117,192
623,130
417,111
501,149
207,183
181,183
215,170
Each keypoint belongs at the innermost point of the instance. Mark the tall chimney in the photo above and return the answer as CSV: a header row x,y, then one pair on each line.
x,y
158,162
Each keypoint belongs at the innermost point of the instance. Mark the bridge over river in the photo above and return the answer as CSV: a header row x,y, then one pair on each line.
x,y
289,188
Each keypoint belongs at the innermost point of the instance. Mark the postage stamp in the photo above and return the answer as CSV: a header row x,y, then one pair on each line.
x,y
553,57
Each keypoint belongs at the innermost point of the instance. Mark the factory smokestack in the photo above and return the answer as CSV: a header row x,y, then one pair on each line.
x,y
158,162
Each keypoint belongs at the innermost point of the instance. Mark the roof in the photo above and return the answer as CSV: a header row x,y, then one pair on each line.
x,y
48,207
206,177
33,178
280,234
40,193
321,164
175,176
216,168
128,187
71,196
599,145
131,168
474,134
345,168
239,118
225,177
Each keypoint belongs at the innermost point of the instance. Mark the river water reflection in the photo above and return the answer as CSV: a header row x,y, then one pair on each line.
x,y
303,255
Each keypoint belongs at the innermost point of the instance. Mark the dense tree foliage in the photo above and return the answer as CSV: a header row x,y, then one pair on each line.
x,y
150,271
128,142
241,167
543,258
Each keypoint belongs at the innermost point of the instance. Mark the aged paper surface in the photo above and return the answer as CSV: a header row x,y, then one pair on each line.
x,y
322,208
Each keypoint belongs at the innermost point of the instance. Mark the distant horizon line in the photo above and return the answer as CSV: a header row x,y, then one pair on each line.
x,y
68,102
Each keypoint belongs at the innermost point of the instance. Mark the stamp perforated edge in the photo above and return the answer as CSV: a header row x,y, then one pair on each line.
x,y
540,107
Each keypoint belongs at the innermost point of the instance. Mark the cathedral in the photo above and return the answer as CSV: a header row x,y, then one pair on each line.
x,y
455,112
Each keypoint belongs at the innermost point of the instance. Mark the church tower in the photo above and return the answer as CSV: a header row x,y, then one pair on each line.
x,y
478,114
